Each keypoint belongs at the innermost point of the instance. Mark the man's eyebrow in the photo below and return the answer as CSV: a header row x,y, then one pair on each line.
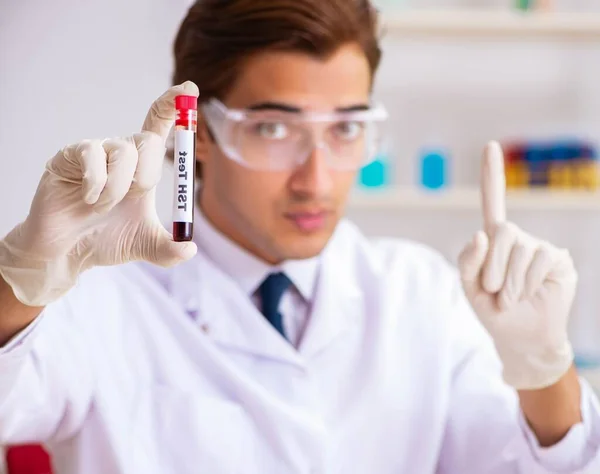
x,y
283,107
278,106
353,108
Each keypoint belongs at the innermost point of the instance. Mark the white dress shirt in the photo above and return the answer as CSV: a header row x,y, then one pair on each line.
x,y
249,272
146,370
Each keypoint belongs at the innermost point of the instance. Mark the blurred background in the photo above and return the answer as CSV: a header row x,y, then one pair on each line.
x,y
455,74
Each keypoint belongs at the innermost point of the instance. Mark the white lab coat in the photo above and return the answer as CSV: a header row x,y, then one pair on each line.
x,y
140,370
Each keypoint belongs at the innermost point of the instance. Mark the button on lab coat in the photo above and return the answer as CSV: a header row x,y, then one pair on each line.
x,y
144,370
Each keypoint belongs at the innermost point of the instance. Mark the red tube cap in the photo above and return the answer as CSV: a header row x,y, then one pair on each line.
x,y
186,102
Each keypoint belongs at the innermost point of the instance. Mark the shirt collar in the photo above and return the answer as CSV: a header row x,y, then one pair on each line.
x,y
244,268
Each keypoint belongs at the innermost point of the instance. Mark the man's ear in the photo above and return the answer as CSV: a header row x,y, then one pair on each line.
x,y
203,139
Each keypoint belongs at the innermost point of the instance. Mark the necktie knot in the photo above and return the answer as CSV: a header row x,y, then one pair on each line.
x,y
270,291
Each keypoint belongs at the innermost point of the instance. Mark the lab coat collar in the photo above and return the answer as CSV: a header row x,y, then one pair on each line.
x,y
225,313
338,304
228,316
246,269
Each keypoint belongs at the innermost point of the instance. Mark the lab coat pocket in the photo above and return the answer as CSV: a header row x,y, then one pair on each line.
x,y
182,432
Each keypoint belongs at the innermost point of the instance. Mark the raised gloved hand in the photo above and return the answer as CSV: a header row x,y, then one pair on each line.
x,y
95,205
520,287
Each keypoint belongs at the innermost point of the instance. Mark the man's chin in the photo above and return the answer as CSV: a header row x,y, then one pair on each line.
x,y
305,246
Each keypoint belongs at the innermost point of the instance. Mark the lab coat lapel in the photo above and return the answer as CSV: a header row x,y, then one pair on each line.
x,y
338,299
227,315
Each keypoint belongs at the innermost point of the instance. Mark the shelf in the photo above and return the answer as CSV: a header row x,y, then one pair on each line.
x,y
468,199
511,23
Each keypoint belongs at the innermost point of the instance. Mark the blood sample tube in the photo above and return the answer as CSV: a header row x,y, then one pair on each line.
x,y
185,167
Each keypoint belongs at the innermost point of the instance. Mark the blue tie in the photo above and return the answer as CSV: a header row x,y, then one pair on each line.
x,y
270,292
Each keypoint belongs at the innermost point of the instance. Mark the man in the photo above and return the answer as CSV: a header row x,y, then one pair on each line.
x,y
283,341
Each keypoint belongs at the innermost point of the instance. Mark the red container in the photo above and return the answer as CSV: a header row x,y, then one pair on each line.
x,y
28,459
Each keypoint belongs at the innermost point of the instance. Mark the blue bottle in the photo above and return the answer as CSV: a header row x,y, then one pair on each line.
x,y
375,174
537,159
434,168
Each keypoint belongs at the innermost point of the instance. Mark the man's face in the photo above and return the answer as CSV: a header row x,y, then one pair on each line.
x,y
291,214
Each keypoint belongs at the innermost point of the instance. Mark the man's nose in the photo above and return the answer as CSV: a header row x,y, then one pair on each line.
x,y
313,177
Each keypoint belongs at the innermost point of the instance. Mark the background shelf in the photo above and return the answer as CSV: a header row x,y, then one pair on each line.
x,y
566,25
468,198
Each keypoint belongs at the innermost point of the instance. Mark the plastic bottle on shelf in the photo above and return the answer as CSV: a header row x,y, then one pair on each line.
x,y
434,168
376,175
516,169
560,171
524,5
544,5
538,162
584,165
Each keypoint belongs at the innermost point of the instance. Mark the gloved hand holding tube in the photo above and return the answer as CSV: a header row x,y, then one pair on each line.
x,y
521,288
95,206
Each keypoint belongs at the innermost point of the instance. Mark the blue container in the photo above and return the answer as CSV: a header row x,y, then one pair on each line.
x,y
375,174
434,169
537,159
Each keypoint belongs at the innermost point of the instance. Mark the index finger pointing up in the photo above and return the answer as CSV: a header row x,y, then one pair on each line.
x,y
493,187
161,116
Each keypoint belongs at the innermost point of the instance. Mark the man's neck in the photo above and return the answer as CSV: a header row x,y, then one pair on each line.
x,y
208,209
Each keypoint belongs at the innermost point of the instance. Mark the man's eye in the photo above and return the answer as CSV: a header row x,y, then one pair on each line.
x,y
271,130
348,130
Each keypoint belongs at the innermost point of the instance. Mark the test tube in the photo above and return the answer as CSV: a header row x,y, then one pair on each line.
x,y
185,167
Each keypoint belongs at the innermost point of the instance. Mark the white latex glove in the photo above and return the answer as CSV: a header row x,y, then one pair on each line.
x,y
95,205
520,287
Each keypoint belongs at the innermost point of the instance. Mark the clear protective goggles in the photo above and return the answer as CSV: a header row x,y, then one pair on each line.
x,y
274,140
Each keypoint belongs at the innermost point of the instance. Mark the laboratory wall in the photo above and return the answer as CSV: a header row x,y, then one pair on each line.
x,y
71,70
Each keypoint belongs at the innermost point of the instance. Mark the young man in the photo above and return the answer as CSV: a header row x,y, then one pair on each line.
x,y
283,341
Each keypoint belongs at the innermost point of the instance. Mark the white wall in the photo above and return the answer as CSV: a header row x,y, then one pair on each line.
x,y
71,70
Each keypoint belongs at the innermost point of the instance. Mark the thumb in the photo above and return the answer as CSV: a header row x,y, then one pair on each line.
x,y
471,260
170,253
162,250
161,116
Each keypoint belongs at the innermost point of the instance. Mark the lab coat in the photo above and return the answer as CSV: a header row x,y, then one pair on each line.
x,y
141,370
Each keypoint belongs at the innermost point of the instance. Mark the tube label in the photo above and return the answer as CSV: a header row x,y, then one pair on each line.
x,y
185,159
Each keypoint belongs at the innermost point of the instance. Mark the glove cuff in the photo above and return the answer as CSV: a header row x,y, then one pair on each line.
x,y
537,371
34,282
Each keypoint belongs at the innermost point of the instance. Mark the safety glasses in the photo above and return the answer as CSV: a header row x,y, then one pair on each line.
x,y
274,140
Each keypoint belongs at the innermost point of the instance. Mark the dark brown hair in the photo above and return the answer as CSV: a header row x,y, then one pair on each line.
x,y
218,36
